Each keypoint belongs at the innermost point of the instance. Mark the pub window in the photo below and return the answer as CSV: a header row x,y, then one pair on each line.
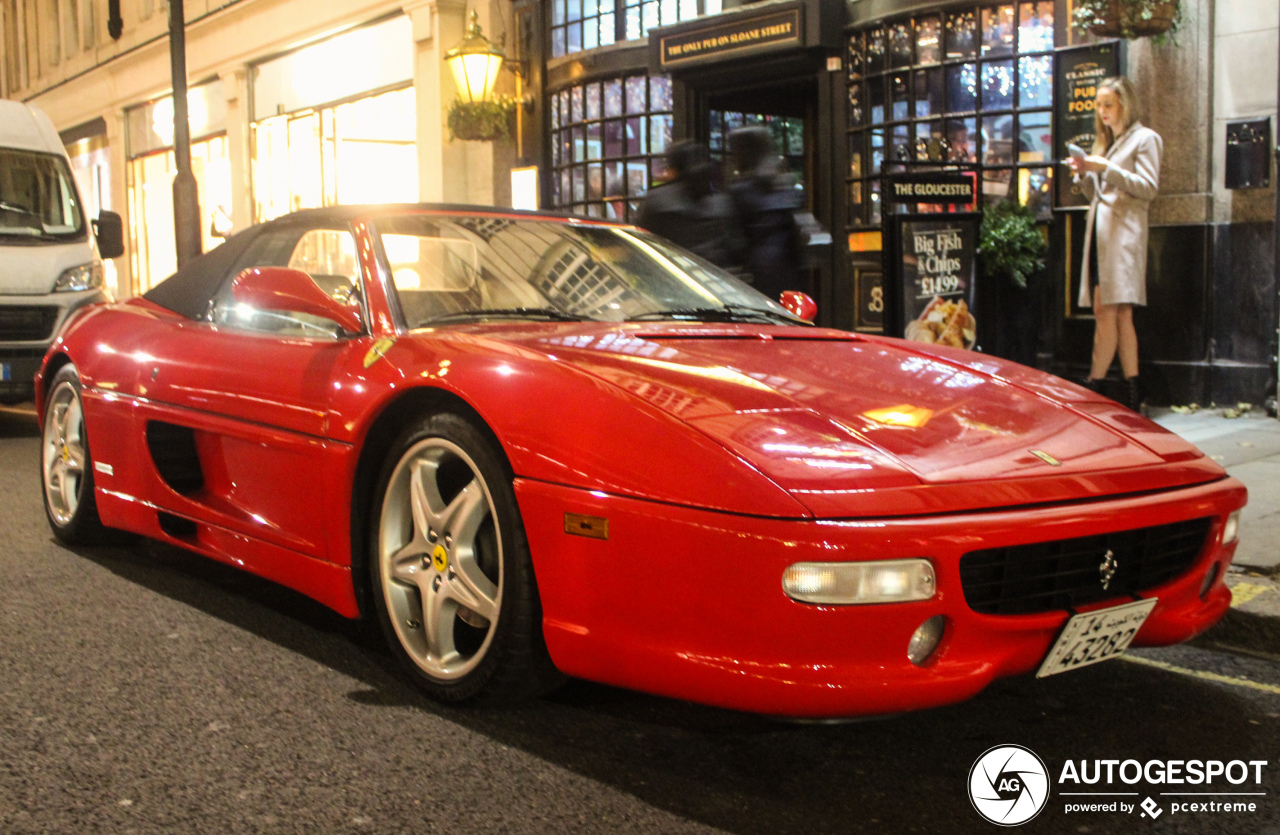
x,y
578,25
969,85
607,142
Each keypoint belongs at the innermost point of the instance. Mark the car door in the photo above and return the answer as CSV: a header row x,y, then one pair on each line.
x,y
240,401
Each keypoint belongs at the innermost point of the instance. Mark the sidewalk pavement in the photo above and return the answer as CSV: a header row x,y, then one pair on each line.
x,y
1248,445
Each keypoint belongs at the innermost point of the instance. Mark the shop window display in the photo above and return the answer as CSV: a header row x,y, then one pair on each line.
x,y
607,142
361,151
149,175
969,85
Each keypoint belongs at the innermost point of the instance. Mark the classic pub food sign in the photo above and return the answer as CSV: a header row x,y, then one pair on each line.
x,y
1077,72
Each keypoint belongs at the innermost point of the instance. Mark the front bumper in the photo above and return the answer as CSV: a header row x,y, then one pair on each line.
x,y
689,603
22,352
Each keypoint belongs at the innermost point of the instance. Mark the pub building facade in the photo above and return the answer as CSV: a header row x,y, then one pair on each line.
x,y
300,103
858,93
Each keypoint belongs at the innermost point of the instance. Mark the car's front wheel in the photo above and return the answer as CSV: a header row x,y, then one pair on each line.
x,y
453,583
66,467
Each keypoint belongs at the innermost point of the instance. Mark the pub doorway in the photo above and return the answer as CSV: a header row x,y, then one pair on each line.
x,y
790,111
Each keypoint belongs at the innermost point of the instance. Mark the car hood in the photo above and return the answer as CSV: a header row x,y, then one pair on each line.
x,y
851,425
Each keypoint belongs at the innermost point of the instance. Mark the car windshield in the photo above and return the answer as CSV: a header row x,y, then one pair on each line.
x,y
37,197
448,270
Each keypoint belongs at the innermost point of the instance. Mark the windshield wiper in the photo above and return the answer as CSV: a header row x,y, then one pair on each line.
x,y
508,313
14,207
727,313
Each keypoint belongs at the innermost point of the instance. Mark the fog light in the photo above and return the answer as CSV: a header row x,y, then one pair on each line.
x,y
887,581
1231,530
926,640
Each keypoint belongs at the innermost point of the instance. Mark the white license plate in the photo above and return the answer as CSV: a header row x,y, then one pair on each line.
x,y
6,373
1095,636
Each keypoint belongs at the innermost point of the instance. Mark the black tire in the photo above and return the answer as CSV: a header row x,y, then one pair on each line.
x,y
451,577
66,466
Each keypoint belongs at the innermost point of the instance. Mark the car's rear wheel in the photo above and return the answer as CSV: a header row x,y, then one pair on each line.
x,y
66,466
452,580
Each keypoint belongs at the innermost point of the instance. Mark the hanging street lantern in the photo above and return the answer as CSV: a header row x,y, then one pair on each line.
x,y
475,64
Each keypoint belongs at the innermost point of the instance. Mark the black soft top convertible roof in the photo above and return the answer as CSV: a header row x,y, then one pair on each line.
x,y
187,292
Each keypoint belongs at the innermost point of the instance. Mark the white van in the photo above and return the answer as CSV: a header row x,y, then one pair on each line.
x,y
50,258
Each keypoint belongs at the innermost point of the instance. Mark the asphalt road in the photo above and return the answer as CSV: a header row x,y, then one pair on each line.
x,y
144,689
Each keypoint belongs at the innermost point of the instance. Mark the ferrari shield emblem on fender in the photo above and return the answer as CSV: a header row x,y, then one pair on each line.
x,y
378,351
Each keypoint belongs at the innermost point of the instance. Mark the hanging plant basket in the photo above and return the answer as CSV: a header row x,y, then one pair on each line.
x,y
482,121
1130,19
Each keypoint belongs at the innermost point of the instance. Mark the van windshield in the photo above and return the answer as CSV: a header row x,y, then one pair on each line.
x,y
37,197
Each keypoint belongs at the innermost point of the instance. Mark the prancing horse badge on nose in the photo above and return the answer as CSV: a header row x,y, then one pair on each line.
x,y
1107,569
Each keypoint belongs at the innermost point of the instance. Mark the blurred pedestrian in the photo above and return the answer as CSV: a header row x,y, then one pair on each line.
x,y
688,211
765,200
1121,178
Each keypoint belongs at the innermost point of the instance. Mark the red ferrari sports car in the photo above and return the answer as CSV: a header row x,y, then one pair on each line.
x,y
531,446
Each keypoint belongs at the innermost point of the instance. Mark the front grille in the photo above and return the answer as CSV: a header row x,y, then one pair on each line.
x,y
27,323
21,353
1049,576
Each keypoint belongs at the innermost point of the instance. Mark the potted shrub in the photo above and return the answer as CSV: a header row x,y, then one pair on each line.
x,y
481,121
1011,245
1130,19
1011,252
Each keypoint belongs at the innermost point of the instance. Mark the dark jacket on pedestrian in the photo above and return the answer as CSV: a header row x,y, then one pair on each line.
x,y
688,212
765,202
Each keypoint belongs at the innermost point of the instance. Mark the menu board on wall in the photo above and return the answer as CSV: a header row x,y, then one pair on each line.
x,y
938,256
1077,70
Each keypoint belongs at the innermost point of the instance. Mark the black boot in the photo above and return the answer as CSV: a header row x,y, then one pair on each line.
x,y
1133,393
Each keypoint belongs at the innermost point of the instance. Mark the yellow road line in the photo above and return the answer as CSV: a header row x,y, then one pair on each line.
x,y
1242,593
1204,674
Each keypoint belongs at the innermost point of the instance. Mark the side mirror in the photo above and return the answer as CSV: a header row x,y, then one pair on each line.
x,y
293,291
799,304
109,230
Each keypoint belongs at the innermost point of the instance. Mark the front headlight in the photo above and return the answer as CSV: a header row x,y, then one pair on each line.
x,y
1231,530
84,277
884,581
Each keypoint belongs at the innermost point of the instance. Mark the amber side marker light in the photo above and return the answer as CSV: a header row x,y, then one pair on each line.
x,y
592,527
845,583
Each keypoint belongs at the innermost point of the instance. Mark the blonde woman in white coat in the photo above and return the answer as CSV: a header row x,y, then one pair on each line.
x,y
1121,178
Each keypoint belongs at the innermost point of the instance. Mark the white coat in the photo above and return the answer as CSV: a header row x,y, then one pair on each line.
x,y
1120,197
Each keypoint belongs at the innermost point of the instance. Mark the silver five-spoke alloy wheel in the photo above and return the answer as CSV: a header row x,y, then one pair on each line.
x,y
64,455
440,559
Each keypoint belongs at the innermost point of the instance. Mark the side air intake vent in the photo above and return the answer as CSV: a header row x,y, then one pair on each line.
x,y
176,526
173,449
